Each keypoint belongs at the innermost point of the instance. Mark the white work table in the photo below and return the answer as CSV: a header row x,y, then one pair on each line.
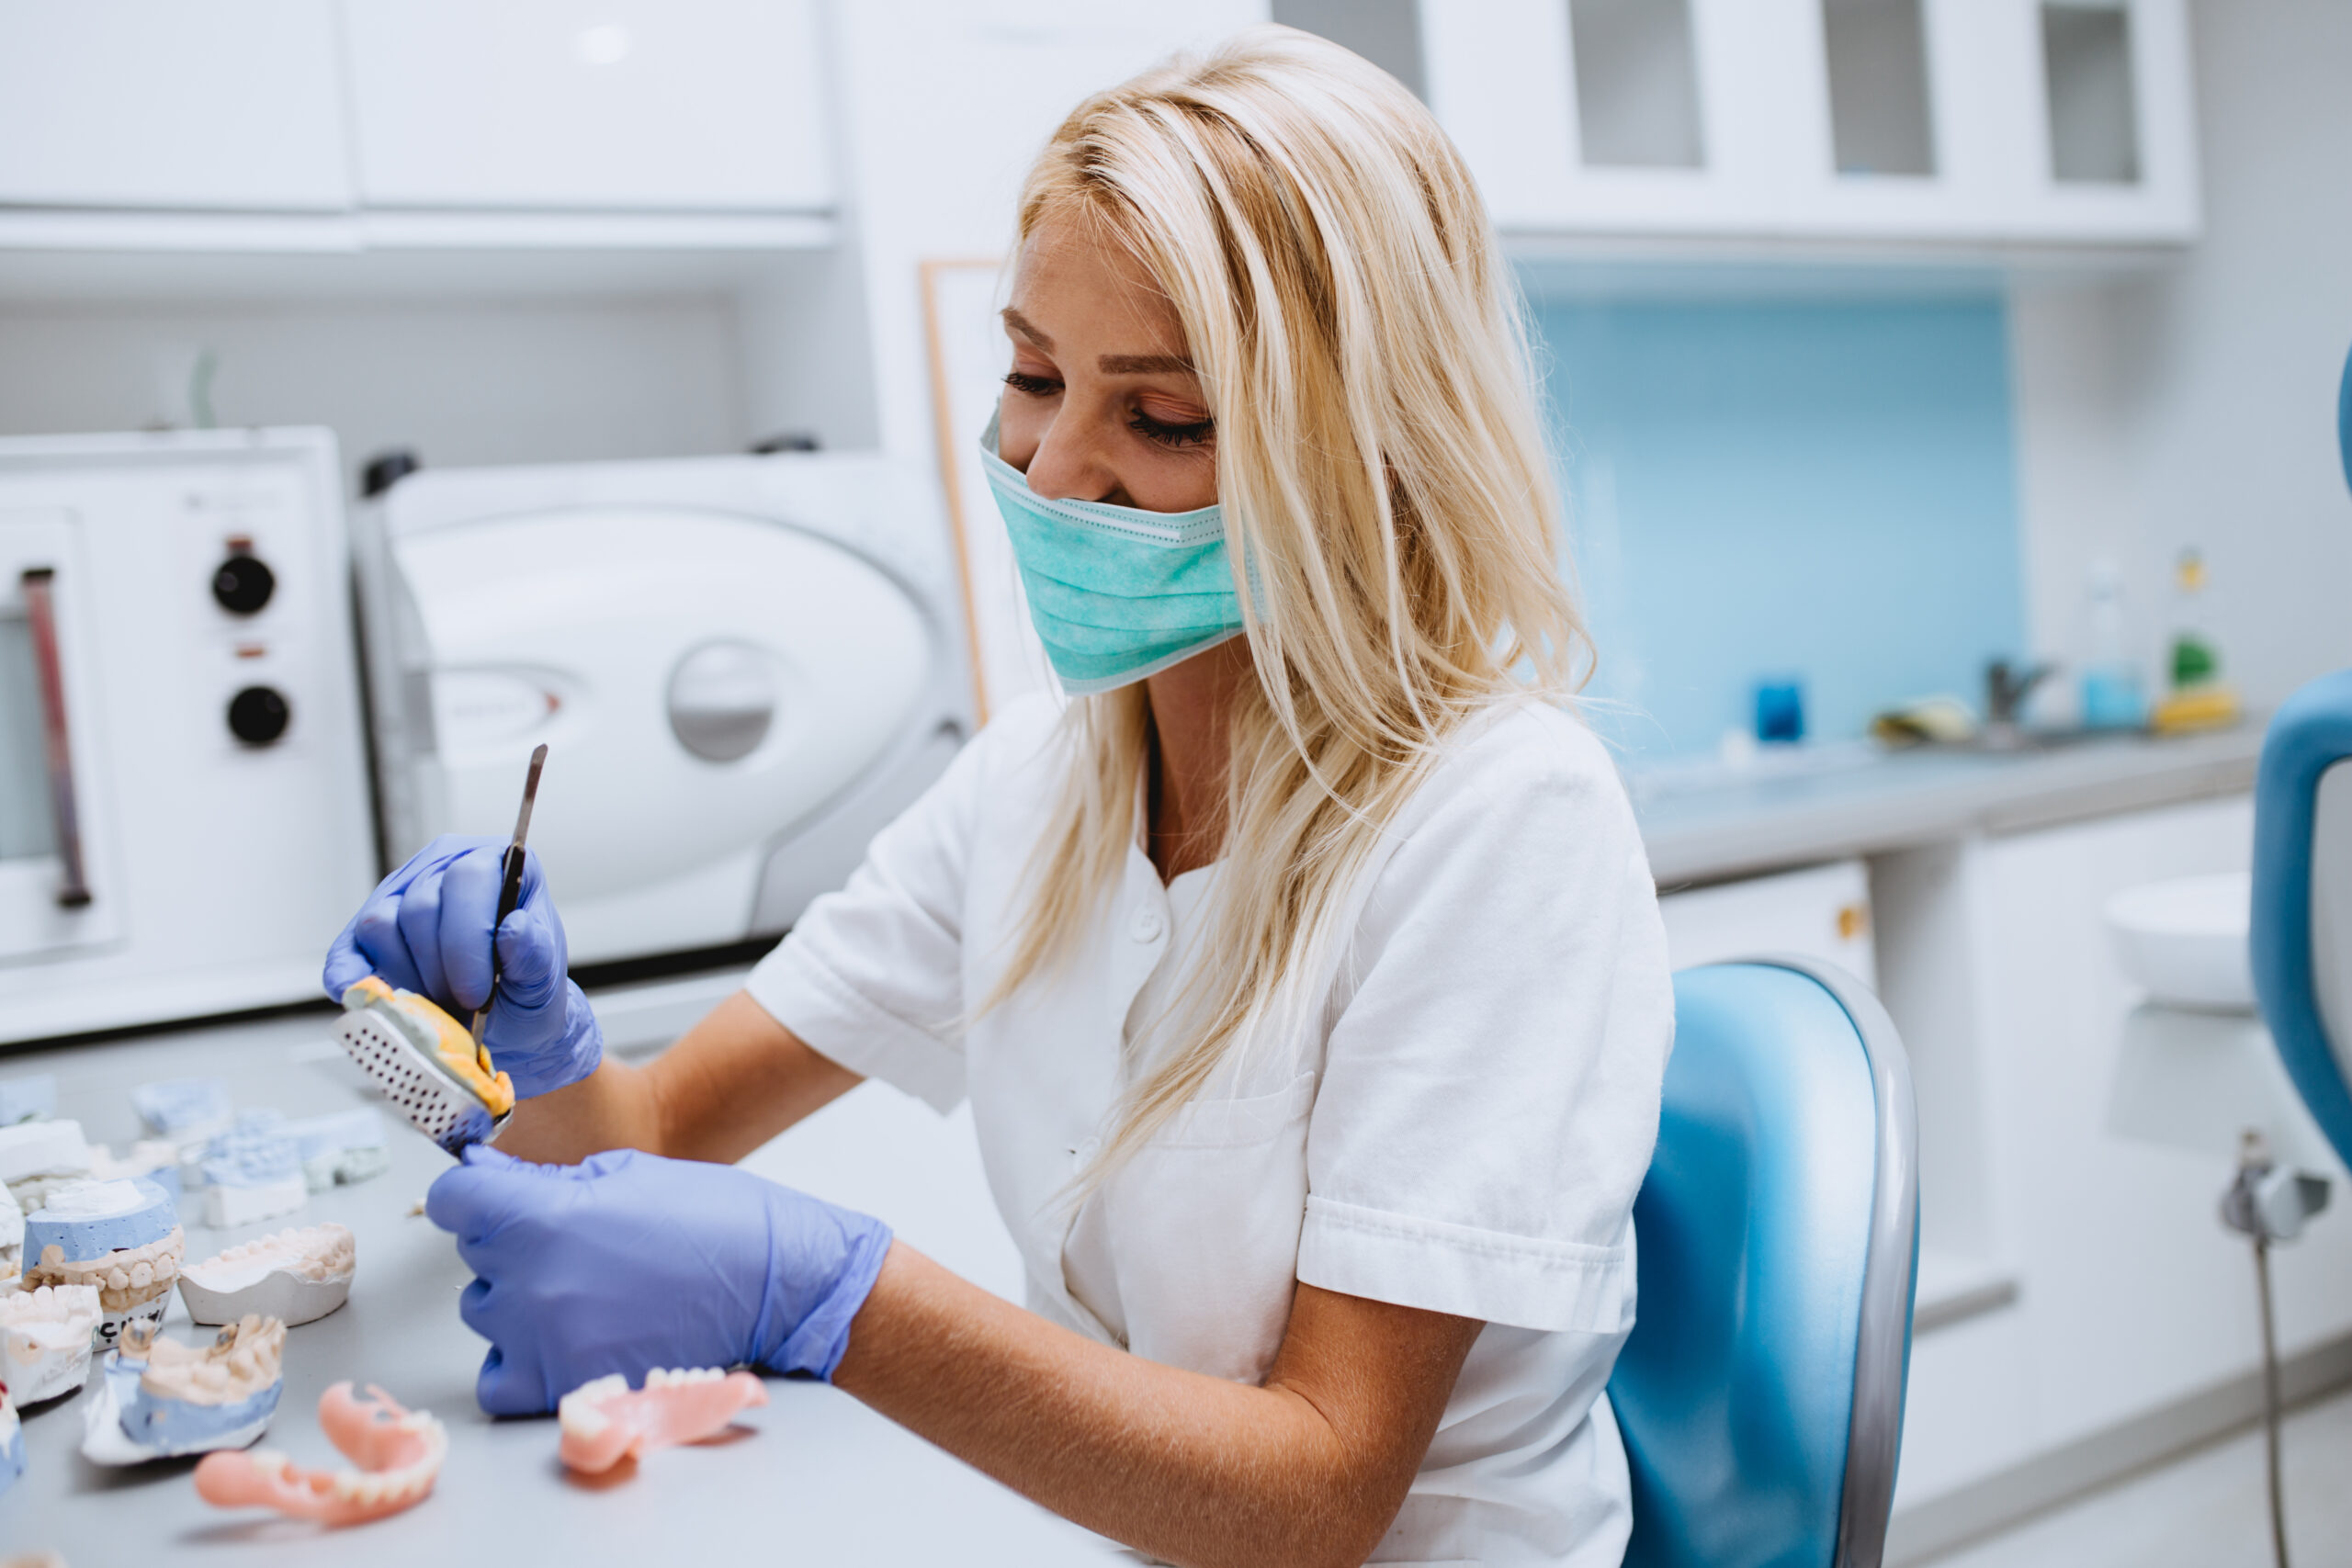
x,y
1708,823
813,1477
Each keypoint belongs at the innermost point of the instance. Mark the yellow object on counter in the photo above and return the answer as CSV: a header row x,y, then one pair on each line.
x,y
449,1042
2211,705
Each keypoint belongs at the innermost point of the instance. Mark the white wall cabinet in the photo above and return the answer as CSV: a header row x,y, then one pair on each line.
x,y
2045,123
233,104
707,106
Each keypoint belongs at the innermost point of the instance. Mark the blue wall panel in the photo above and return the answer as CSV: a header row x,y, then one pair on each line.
x,y
1818,490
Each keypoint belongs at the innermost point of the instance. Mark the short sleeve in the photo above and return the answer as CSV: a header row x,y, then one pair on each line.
x,y
872,975
1490,1086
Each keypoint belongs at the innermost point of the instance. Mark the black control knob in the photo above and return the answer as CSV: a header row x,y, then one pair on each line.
x,y
244,584
257,714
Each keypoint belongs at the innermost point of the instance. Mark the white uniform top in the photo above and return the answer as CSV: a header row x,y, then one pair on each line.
x,y
1462,1128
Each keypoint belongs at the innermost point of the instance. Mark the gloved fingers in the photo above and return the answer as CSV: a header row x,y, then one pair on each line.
x,y
469,896
418,920
530,960
376,936
475,1200
346,967
474,1309
505,1388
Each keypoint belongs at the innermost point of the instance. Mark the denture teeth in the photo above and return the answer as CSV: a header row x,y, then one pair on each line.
x,y
270,1462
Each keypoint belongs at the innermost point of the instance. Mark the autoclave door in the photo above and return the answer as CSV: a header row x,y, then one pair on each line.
x,y
705,683
55,890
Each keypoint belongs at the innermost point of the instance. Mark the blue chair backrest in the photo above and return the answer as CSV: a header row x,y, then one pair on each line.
x,y
2299,939
1760,1395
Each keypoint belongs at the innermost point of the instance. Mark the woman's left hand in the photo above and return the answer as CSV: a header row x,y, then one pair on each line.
x,y
628,1261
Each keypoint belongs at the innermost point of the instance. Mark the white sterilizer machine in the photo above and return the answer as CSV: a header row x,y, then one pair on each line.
x,y
183,803
743,668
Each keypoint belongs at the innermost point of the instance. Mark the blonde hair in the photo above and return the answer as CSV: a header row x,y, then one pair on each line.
x,y
1380,469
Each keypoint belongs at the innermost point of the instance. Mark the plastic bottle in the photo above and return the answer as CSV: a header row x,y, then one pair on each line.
x,y
2111,696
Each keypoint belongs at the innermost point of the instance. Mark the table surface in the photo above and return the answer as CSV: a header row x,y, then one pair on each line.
x,y
1703,823
813,1476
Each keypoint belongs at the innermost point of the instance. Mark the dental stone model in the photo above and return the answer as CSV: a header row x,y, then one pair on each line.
x,y
603,1423
397,1453
252,1171
12,1241
121,1237
426,1063
12,1441
157,1398
45,1336
346,1147
32,1098
38,1156
294,1276
182,1109
157,1158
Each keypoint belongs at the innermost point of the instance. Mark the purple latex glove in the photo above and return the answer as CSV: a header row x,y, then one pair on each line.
x,y
627,1261
427,929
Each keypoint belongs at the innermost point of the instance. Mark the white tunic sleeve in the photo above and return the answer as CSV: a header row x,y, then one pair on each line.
x,y
1490,1086
873,975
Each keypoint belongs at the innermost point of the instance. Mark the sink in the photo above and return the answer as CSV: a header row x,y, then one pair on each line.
x,y
2185,940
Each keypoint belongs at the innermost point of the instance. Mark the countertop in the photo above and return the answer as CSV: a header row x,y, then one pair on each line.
x,y
1709,823
813,1477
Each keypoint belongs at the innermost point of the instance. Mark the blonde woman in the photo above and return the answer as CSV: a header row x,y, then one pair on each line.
x,y
1306,976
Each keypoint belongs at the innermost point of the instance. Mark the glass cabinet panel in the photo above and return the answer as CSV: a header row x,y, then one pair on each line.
x,y
1637,83
2094,118
1880,117
1386,32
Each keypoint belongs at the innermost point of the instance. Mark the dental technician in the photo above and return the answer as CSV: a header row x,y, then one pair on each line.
x,y
1304,976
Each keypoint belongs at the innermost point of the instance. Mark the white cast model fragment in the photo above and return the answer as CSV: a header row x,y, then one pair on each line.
x,y
12,1241
38,1156
296,1276
45,1339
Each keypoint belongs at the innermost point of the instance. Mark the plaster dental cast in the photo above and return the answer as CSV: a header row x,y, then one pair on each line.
x,y
1305,976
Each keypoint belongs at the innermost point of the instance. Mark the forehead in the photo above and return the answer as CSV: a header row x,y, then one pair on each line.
x,y
1071,277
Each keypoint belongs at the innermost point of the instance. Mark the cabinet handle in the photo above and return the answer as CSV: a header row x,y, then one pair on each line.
x,y
40,613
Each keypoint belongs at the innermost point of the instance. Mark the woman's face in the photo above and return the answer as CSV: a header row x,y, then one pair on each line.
x,y
1101,404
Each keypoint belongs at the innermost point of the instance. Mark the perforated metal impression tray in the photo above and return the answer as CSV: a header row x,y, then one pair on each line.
x,y
427,1063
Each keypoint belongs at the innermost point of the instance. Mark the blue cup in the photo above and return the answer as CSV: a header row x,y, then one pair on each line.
x,y
1780,712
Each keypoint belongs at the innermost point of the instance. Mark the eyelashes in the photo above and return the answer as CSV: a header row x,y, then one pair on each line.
x,y
1160,432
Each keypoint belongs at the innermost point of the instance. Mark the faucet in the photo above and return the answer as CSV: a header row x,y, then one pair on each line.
x,y
2006,690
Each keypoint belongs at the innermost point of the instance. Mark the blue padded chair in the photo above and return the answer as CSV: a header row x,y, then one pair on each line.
x,y
1760,1395
2300,937
2301,934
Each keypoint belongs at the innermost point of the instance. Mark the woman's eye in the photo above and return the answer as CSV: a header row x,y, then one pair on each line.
x,y
1196,433
1032,386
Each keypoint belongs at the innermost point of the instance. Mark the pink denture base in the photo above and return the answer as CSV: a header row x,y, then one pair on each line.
x,y
397,1453
603,1421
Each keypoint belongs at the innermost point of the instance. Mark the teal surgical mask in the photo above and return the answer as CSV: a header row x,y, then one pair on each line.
x,y
1116,594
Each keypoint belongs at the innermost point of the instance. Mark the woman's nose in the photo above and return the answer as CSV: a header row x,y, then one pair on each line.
x,y
1070,465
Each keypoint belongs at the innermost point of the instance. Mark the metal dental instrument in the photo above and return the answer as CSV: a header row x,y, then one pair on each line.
x,y
510,890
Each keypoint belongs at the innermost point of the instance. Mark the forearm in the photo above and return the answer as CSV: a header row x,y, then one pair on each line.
x,y
1188,1467
731,1083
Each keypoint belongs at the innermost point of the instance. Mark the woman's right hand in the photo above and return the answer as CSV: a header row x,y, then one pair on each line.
x,y
427,929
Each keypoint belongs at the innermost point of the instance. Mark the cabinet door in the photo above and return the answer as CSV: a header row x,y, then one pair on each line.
x,y
158,103
1823,912
680,106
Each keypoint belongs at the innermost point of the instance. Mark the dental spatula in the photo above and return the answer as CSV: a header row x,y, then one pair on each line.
x,y
427,1064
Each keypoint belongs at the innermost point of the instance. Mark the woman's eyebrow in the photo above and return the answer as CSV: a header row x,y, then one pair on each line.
x,y
1026,328
1143,364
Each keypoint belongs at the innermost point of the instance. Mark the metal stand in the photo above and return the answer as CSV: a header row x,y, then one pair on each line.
x,y
2268,1203
2270,1401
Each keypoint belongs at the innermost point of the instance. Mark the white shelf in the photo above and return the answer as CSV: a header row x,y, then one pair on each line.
x,y
67,256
